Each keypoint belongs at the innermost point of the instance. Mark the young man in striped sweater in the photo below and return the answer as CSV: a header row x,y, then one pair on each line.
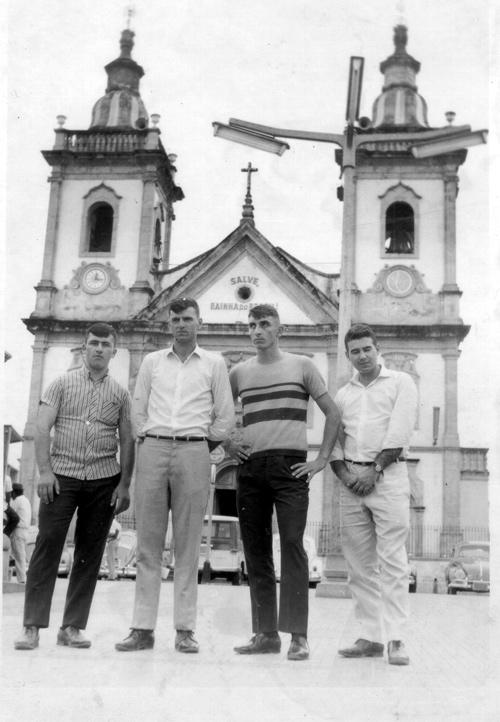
x,y
274,388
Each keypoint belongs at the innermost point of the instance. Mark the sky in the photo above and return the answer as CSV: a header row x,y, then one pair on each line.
x,y
282,63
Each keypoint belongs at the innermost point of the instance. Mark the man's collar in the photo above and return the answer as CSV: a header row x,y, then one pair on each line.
x,y
86,372
383,373
197,350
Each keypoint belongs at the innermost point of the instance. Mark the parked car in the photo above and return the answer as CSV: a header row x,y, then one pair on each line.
x,y
66,560
412,578
469,568
315,563
226,550
65,563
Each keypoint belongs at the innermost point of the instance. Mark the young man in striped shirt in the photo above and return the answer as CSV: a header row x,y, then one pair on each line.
x,y
78,471
274,388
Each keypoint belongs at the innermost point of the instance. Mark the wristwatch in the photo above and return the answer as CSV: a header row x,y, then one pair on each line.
x,y
378,469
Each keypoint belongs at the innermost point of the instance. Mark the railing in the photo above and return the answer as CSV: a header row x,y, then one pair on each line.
x,y
424,542
100,142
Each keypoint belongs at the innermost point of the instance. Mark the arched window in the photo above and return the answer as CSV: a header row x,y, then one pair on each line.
x,y
399,222
399,228
100,228
100,210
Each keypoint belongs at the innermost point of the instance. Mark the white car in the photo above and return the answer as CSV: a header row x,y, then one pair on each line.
x,y
225,557
315,563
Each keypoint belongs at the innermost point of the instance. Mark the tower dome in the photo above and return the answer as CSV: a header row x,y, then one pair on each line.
x,y
399,107
121,106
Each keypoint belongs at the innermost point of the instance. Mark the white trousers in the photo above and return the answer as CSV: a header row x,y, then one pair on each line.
x,y
374,532
169,475
18,540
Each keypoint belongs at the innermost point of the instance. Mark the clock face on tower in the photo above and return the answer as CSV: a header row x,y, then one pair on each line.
x,y
399,282
95,278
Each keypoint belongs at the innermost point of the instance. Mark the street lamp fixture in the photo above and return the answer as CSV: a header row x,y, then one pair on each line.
x,y
252,138
448,145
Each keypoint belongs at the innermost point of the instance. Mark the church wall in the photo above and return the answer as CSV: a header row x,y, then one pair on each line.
x,y
474,502
430,368
430,255
124,258
430,471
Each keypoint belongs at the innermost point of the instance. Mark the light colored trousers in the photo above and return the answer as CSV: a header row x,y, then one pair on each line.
x,y
170,475
18,540
374,532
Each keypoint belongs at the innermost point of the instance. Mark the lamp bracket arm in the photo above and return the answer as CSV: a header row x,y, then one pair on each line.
x,y
287,133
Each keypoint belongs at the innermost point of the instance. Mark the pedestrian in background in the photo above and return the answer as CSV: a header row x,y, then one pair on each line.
x,y
78,471
378,408
182,408
19,534
274,388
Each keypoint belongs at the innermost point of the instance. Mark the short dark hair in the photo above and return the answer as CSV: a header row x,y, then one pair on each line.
x,y
101,330
262,310
360,330
180,304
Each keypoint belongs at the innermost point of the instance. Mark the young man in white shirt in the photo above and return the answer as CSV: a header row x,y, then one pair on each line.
x,y
182,407
378,409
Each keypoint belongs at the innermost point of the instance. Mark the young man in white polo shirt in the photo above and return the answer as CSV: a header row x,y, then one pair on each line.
x,y
378,408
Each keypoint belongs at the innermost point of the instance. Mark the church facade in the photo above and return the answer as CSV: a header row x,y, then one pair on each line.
x,y
107,257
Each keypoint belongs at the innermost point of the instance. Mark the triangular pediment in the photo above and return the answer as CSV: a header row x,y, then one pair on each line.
x,y
245,269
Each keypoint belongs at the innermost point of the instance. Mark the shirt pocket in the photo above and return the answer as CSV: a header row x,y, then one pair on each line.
x,y
110,413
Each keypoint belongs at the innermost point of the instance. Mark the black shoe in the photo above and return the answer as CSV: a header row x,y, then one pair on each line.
x,y
261,643
363,648
72,637
136,640
185,642
396,653
299,649
28,639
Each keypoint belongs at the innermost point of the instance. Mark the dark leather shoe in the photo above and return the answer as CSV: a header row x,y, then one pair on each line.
x,y
28,639
299,649
363,648
261,643
136,640
72,637
185,642
396,653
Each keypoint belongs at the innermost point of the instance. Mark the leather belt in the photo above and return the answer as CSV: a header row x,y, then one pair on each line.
x,y
369,463
176,438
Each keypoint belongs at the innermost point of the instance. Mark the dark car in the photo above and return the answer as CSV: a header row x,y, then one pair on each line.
x,y
469,568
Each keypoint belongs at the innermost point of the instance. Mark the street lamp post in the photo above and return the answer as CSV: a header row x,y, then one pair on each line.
x,y
422,144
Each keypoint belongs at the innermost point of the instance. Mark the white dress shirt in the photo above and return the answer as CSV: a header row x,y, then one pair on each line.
x,y
190,398
379,416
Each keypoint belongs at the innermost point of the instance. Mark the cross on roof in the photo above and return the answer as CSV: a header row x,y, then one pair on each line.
x,y
249,170
130,12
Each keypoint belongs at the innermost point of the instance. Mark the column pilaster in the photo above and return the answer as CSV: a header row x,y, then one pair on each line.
x,y
451,453
142,289
28,471
46,288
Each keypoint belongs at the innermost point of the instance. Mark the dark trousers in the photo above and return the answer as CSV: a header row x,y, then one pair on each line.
x,y
92,499
265,482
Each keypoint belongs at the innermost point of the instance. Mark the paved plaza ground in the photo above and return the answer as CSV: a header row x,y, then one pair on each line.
x,y
452,675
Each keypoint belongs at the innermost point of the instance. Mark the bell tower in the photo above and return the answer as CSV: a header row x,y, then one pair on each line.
x,y
404,270
110,213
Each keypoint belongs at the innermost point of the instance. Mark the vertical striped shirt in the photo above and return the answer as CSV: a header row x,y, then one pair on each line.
x,y
85,442
274,398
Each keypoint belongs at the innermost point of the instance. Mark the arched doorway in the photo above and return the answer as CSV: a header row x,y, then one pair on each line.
x,y
225,489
